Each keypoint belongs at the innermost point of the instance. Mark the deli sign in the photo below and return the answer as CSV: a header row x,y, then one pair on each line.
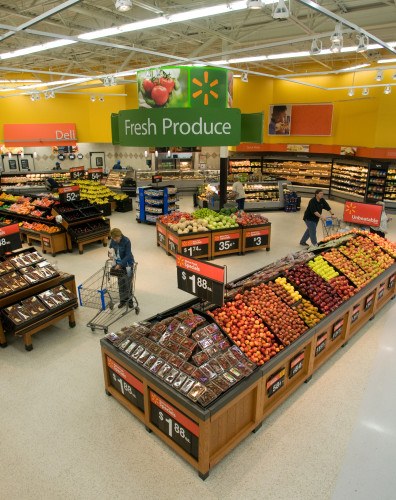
x,y
362,213
40,134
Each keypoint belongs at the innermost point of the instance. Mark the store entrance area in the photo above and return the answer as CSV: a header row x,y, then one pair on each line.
x,y
63,437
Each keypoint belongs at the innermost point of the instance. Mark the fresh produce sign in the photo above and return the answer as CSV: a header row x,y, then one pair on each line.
x,y
10,238
172,243
391,281
177,127
369,301
126,383
362,213
201,279
174,424
161,234
69,193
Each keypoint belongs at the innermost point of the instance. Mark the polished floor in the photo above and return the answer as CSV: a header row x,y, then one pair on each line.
x,y
61,437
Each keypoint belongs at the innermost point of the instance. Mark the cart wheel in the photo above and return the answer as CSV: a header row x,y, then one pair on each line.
x,y
54,255
137,310
138,221
111,307
106,331
92,328
105,244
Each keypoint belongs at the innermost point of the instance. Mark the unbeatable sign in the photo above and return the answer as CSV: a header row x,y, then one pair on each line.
x,y
362,213
177,127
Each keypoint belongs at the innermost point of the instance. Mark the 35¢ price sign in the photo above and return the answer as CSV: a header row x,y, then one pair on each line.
x,y
174,424
256,238
126,383
76,172
69,193
95,174
201,279
226,243
10,238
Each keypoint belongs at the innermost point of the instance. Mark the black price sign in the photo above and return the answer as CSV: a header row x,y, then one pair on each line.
x,y
320,344
69,193
156,178
369,301
355,313
391,281
173,423
381,291
195,248
296,364
275,382
24,164
257,238
126,384
226,242
95,174
337,329
201,279
172,244
76,172
10,238
65,149
161,234
12,165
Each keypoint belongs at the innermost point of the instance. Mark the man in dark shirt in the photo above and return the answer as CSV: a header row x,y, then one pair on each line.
x,y
312,215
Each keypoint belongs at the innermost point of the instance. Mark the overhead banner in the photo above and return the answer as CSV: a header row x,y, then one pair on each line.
x,y
177,127
252,127
300,119
185,87
40,134
362,213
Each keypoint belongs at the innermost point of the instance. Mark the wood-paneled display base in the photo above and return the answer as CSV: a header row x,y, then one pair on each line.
x,y
204,436
50,242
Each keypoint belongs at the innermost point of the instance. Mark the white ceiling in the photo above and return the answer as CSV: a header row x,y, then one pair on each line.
x,y
230,35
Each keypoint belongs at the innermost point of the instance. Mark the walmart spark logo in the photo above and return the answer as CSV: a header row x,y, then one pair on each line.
x,y
350,208
208,88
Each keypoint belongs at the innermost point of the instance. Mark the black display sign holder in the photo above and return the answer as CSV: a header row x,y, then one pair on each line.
x,y
69,193
10,238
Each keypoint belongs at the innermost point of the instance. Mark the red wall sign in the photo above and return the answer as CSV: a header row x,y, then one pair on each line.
x,y
362,213
40,134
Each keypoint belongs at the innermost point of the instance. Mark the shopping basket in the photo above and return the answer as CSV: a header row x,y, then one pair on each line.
x,y
111,292
330,226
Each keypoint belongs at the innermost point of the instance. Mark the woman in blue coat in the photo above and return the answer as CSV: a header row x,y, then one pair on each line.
x,y
120,251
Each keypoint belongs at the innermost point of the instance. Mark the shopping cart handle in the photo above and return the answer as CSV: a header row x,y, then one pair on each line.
x,y
79,294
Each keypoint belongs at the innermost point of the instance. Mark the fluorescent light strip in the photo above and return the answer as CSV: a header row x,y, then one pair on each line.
x,y
20,81
36,48
385,61
352,68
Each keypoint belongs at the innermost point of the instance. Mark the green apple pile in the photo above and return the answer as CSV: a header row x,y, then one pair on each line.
x,y
323,268
215,220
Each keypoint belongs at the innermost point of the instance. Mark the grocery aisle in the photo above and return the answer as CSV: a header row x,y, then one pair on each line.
x,y
62,437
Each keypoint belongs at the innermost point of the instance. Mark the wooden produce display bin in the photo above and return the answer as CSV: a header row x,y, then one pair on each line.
x,y
162,239
226,241
256,238
196,245
53,243
203,436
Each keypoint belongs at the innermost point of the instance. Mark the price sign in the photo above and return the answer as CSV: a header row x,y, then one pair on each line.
x,y
76,172
226,242
95,174
24,164
156,178
296,364
174,424
195,248
201,279
337,329
320,344
172,243
355,313
46,242
381,291
369,301
126,383
258,238
10,238
161,234
12,165
391,281
275,382
69,193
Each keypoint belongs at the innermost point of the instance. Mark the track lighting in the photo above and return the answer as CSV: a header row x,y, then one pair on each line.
x,y
387,90
281,11
123,5
93,98
244,78
46,95
156,153
145,154
337,35
336,46
35,97
316,47
380,75
32,98
101,99
254,4
365,91
351,92
34,154
394,76
169,153
363,43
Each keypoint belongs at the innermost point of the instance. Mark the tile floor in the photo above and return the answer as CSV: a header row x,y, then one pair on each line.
x,y
62,437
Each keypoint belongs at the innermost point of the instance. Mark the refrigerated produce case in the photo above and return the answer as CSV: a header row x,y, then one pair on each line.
x,y
185,180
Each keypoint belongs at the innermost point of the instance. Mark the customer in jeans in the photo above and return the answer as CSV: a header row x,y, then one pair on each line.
x,y
120,251
312,215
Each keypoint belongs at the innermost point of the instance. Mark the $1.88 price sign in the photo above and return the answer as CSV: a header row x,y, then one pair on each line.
x,y
126,384
201,279
69,193
10,238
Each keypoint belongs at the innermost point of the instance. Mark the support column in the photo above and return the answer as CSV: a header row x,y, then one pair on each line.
x,y
223,175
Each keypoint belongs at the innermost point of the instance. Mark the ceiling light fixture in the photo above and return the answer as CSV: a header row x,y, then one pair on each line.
x,y
101,99
380,75
254,4
36,48
351,92
336,46
156,153
386,61
316,47
352,68
34,154
244,78
363,43
281,11
394,76
337,35
387,90
93,98
365,91
46,95
123,5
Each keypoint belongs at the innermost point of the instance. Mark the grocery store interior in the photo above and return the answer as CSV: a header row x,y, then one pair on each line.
x,y
309,413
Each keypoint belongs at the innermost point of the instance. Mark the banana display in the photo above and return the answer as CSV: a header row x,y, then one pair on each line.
x,y
97,193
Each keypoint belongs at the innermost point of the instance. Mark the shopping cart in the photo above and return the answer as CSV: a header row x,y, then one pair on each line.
x,y
106,290
330,226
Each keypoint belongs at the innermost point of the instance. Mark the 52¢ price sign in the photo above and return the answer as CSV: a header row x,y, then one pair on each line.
x,y
201,279
69,193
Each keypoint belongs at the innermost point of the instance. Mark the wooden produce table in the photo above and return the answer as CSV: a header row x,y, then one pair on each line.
x,y
204,436
68,281
226,241
51,242
162,235
98,237
197,245
256,238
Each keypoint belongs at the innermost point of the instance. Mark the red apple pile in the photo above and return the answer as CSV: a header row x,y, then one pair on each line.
x,y
251,219
282,293
247,330
344,289
317,289
282,320
347,267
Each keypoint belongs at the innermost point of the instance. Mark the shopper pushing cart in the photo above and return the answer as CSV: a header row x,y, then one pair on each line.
x,y
121,253
312,215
